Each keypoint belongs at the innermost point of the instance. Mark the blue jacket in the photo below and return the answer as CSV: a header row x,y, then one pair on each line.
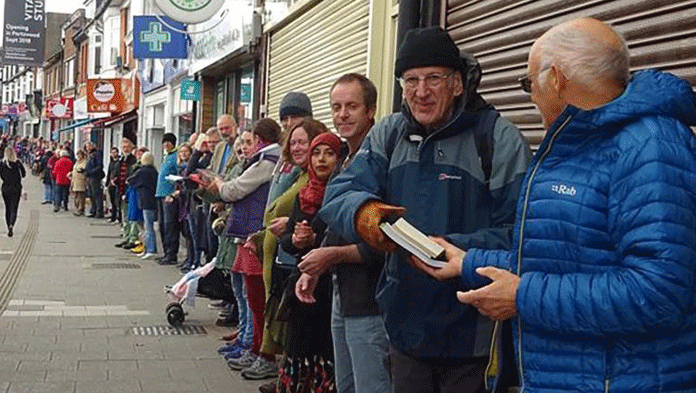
x,y
169,167
440,181
144,181
605,244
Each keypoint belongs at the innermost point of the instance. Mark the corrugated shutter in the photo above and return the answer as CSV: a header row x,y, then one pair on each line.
x,y
660,34
311,52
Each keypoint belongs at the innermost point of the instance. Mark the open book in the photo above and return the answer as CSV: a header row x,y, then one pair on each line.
x,y
415,242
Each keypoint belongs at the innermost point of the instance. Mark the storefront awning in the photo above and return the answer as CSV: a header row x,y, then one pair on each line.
x,y
77,124
120,118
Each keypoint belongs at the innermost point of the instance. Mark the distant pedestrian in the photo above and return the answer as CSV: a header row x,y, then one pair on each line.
x,y
60,170
11,171
95,174
78,182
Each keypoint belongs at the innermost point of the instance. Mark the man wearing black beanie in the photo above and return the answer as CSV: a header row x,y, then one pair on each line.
x,y
453,168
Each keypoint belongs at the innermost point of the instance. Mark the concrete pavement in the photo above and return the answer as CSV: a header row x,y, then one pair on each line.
x,y
75,308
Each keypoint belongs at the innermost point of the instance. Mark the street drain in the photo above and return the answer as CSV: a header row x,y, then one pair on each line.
x,y
165,330
114,266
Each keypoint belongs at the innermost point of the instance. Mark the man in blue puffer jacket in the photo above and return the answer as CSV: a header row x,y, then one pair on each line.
x,y
599,286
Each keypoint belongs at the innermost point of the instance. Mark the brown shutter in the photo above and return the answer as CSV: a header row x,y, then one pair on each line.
x,y
660,34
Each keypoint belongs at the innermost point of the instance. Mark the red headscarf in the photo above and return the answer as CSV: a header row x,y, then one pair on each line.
x,y
312,195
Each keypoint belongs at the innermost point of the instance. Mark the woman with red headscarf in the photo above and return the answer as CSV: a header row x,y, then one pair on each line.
x,y
308,366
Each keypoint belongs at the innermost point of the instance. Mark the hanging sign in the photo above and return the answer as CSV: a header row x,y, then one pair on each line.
x,y
190,90
104,95
153,39
189,11
24,29
59,108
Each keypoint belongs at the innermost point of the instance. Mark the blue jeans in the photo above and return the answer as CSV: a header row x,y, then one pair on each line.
x,y
361,351
48,193
150,239
246,317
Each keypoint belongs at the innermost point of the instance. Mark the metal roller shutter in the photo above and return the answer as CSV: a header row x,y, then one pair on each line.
x,y
312,51
660,34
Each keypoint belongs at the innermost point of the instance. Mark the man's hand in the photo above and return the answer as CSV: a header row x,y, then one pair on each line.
x,y
303,236
318,261
218,207
367,221
304,289
215,186
497,299
168,200
277,225
452,269
250,245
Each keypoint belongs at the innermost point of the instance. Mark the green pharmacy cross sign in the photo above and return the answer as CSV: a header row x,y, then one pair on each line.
x,y
155,37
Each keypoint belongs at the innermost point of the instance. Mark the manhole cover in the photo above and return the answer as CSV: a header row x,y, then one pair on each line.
x,y
114,266
105,236
164,330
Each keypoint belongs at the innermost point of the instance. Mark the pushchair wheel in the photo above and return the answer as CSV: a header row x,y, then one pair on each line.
x,y
175,314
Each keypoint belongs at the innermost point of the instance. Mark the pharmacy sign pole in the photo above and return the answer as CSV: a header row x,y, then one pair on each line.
x,y
24,32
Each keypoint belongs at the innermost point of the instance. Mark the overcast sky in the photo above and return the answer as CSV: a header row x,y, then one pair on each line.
x,y
64,6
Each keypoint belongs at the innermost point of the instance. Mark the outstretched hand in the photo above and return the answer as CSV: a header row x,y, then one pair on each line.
x,y
497,299
304,288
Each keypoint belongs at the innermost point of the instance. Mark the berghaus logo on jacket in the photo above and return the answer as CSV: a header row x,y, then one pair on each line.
x,y
562,189
444,176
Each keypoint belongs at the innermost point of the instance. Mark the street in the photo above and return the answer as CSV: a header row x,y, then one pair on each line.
x,y
79,315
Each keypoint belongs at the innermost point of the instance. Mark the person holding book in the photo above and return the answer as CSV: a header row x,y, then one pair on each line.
x,y
361,347
598,291
452,167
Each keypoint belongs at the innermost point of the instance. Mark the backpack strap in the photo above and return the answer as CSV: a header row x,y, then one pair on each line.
x,y
483,139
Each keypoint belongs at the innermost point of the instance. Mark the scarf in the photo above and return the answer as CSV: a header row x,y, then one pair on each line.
x,y
312,195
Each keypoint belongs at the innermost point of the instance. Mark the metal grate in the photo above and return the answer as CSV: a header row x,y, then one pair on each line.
x,y
115,265
165,330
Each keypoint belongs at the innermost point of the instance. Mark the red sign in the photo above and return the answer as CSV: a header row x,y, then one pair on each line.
x,y
59,108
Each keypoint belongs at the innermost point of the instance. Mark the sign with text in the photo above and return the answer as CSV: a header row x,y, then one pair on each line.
x,y
190,90
59,108
23,40
153,39
113,95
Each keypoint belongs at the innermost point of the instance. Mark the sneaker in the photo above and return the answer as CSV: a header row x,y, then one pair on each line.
x,y
129,246
121,244
243,362
165,262
261,369
9,231
140,248
148,255
236,351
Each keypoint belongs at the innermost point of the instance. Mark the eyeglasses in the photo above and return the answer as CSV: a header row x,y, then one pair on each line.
x,y
526,83
432,81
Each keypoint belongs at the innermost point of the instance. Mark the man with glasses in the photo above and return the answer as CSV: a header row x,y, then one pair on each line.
x,y
599,287
453,167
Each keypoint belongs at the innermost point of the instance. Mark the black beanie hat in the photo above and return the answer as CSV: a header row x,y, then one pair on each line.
x,y
169,137
427,47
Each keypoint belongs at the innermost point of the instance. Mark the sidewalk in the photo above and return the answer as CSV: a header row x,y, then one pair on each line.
x,y
68,325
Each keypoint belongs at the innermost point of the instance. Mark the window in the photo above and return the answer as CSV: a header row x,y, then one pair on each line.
x,y
114,29
69,76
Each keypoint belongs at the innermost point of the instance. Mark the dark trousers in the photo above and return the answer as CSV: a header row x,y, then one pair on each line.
x,y
61,195
170,228
97,196
413,375
115,204
213,241
11,206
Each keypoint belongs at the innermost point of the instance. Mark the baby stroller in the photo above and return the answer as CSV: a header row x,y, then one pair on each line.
x,y
206,282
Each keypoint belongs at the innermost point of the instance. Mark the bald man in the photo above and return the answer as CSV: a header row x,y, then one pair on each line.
x,y
597,294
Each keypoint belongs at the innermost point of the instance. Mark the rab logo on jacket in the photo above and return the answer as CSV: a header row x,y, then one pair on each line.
x,y
444,176
563,189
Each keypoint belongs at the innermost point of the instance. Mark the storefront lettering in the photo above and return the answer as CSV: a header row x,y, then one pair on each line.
x,y
211,44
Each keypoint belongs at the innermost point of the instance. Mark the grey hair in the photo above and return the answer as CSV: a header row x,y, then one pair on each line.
x,y
147,159
584,59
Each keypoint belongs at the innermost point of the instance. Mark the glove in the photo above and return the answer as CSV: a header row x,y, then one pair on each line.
x,y
367,221
219,225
